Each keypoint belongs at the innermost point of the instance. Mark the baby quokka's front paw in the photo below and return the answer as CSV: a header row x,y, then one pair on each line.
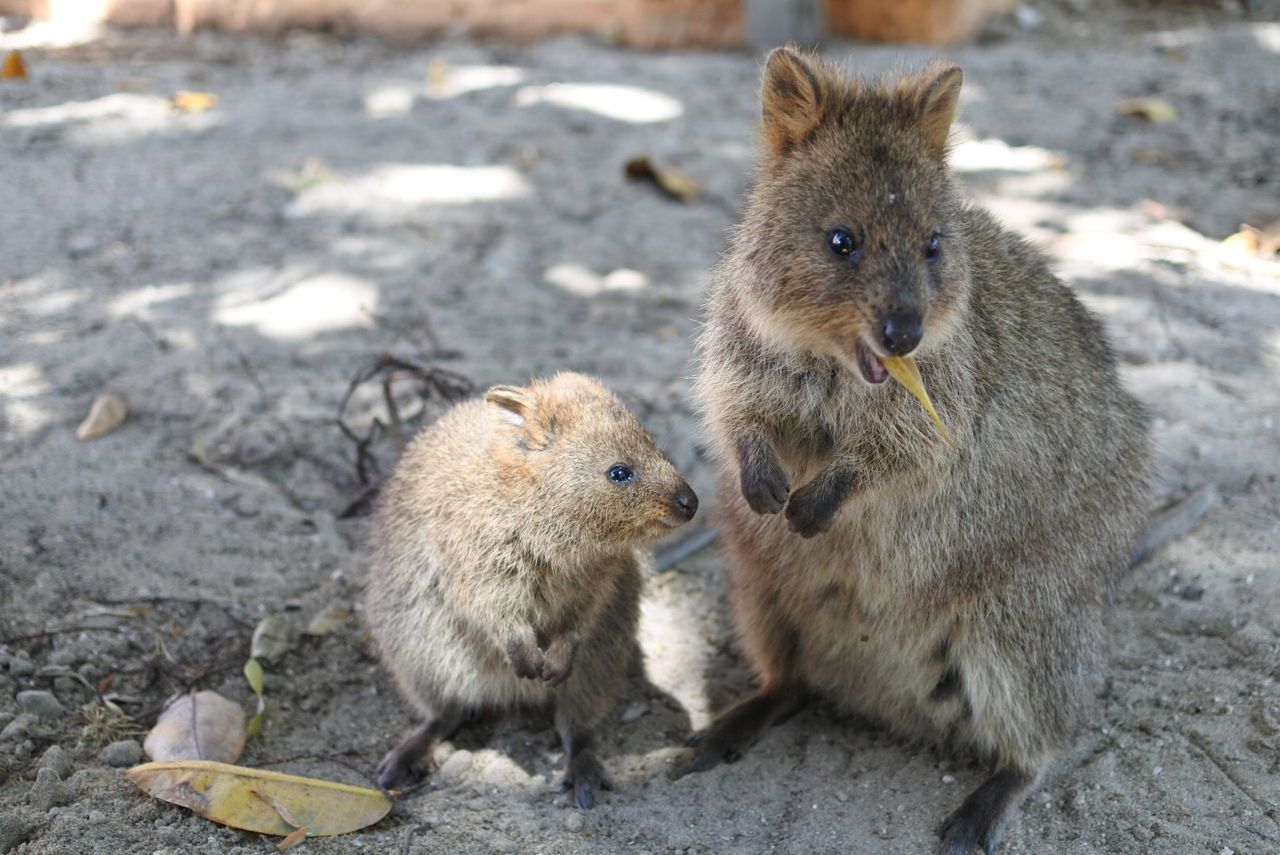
x,y
552,667
525,659
557,663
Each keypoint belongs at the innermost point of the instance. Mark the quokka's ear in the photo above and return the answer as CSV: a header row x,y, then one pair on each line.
x,y
793,97
937,108
519,408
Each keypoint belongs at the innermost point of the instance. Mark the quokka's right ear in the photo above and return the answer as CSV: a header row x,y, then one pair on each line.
x,y
519,408
793,97
517,404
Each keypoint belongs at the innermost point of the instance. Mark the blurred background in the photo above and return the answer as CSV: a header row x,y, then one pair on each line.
x,y
246,245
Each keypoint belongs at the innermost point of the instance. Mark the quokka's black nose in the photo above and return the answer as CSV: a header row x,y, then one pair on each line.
x,y
687,501
901,332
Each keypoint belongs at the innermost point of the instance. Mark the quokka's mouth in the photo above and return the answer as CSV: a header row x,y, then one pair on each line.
x,y
869,364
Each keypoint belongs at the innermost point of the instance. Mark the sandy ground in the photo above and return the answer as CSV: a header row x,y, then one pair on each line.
x,y
463,205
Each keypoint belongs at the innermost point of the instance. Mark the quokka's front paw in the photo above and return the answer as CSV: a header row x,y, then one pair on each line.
x,y
557,663
765,484
812,508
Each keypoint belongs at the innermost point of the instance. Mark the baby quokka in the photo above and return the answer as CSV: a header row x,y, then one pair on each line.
x,y
505,572
956,594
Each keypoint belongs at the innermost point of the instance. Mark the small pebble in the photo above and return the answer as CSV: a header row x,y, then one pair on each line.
x,y
56,759
948,779
47,791
82,244
41,704
65,656
457,766
574,821
273,637
20,666
18,729
14,830
120,754
97,817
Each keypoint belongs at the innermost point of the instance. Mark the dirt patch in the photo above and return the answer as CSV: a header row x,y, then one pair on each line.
x,y
463,205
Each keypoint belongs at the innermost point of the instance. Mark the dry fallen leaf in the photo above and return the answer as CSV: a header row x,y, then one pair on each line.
x,y
1155,110
106,413
273,637
293,839
258,800
437,75
257,681
1245,240
675,184
14,68
905,371
203,726
193,102
328,619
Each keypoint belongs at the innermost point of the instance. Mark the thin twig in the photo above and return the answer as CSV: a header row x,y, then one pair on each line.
x,y
65,630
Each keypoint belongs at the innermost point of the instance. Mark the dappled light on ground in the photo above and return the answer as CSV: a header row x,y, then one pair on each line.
x,y
582,282
116,118
630,104
992,154
393,190
394,99
315,305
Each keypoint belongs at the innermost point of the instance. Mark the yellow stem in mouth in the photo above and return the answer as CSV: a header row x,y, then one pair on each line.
x,y
904,370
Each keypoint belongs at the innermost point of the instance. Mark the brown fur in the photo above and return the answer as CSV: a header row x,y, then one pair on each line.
x,y
504,570
959,595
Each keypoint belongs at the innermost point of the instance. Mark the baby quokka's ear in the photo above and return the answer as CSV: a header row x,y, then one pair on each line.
x,y
794,99
519,408
936,96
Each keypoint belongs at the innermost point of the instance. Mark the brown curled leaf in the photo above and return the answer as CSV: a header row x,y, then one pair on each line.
x,y
14,68
672,182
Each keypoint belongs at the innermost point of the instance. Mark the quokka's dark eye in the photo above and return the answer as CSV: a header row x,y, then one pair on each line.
x,y
620,473
841,241
934,250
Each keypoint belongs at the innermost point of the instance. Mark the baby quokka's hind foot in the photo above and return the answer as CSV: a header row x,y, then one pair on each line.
x,y
585,778
737,729
584,774
402,765
980,818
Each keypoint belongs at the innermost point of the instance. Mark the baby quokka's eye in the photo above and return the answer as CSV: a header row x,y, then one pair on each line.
x,y
842,242
934,250
620,473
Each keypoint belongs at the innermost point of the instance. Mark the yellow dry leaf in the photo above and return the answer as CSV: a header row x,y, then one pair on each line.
x,y
437,76
905,371
258,799
14,68
1248,239
257,681
1155,110
193,102
107,412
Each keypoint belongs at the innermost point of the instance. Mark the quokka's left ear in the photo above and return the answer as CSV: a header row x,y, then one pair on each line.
x,y
936,108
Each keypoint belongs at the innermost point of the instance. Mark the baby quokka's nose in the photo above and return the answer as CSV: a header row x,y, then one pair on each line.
x,y
686,502
901,332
